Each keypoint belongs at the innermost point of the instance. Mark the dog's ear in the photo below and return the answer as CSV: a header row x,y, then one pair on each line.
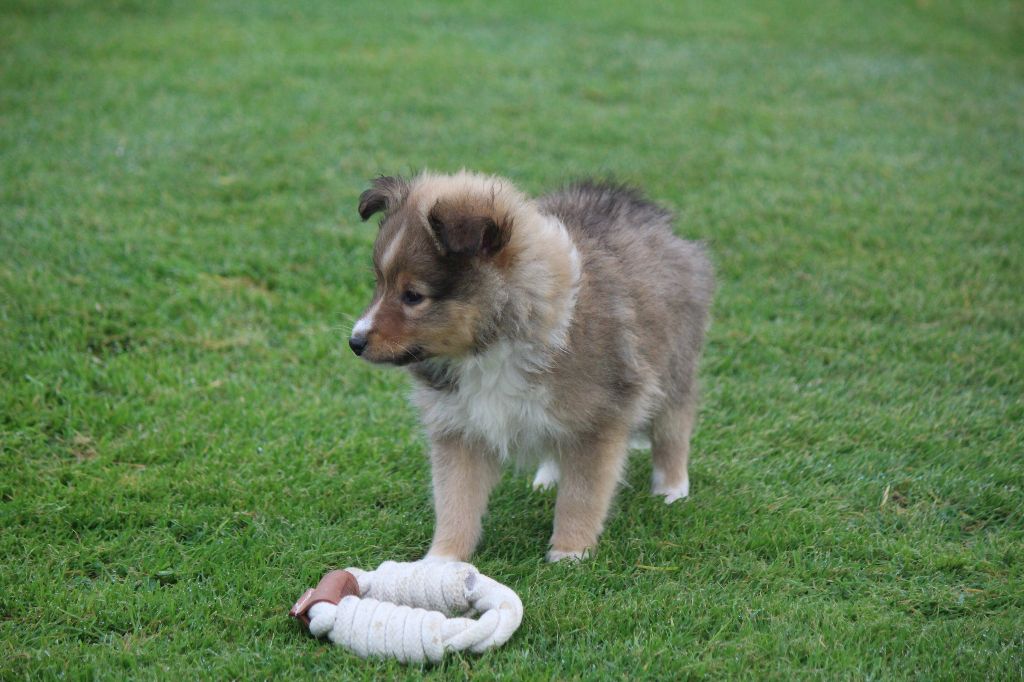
x,y
463,231
384,193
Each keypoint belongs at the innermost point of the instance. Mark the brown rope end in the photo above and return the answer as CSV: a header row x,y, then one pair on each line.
x,y
331,588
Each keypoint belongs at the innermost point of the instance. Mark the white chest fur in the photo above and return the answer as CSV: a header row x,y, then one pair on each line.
x,y
498,401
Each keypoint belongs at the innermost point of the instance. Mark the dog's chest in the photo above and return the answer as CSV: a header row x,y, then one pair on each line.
x,y
495,398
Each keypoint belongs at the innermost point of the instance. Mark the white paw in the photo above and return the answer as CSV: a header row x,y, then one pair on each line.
x,y
558,555
547,475
671,493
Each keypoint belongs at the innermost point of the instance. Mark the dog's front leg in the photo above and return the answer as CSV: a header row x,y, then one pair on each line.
x,y
463,480
590,474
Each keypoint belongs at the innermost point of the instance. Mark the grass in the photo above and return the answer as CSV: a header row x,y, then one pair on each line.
x,y
186,443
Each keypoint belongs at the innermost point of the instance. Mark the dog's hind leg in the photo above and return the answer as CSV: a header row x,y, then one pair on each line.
x,y
670,447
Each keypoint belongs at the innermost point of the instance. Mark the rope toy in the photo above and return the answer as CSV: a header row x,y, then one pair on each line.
x,y
412,612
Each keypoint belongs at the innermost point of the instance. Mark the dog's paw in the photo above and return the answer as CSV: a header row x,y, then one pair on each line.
x,y
671,493
547,476
555,555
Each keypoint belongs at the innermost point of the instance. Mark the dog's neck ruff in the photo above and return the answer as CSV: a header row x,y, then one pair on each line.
x,y
497,397
566,266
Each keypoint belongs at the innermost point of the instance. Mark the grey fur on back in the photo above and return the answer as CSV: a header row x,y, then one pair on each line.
x,y
643,305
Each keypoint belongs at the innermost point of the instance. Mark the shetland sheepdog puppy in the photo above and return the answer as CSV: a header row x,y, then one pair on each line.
x,y
539,331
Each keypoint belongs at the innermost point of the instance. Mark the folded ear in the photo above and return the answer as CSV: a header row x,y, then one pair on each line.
x,y
461,230
385,193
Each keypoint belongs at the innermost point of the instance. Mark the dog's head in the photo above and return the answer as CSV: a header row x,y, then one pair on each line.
x,y
439,260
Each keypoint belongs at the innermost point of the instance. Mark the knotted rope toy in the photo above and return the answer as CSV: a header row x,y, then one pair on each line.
x,y
412,612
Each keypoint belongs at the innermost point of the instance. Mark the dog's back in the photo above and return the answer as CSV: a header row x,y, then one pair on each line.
x,y
651,288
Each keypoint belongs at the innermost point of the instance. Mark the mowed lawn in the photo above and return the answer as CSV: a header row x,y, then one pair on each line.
x,y
186,443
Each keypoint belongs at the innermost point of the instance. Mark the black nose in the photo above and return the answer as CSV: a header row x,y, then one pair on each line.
x,y
357,344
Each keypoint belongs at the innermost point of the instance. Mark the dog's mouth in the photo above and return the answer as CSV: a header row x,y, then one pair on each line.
x,y
411,355
406,356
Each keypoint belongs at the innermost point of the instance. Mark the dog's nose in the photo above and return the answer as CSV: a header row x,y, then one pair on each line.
x,y
357,344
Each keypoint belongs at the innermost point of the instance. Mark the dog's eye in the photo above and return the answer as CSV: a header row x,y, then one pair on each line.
x,y
410,297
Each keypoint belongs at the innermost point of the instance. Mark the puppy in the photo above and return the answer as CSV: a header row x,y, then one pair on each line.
x,y
538,331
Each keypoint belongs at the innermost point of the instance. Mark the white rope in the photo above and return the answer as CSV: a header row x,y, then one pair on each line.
x,y
417,611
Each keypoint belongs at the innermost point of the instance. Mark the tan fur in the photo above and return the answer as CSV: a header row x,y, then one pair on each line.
x,y
537,330
462,483
670,446
585,491
457,337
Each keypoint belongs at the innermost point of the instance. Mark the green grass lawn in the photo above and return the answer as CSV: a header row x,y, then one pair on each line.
x,y
186,442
